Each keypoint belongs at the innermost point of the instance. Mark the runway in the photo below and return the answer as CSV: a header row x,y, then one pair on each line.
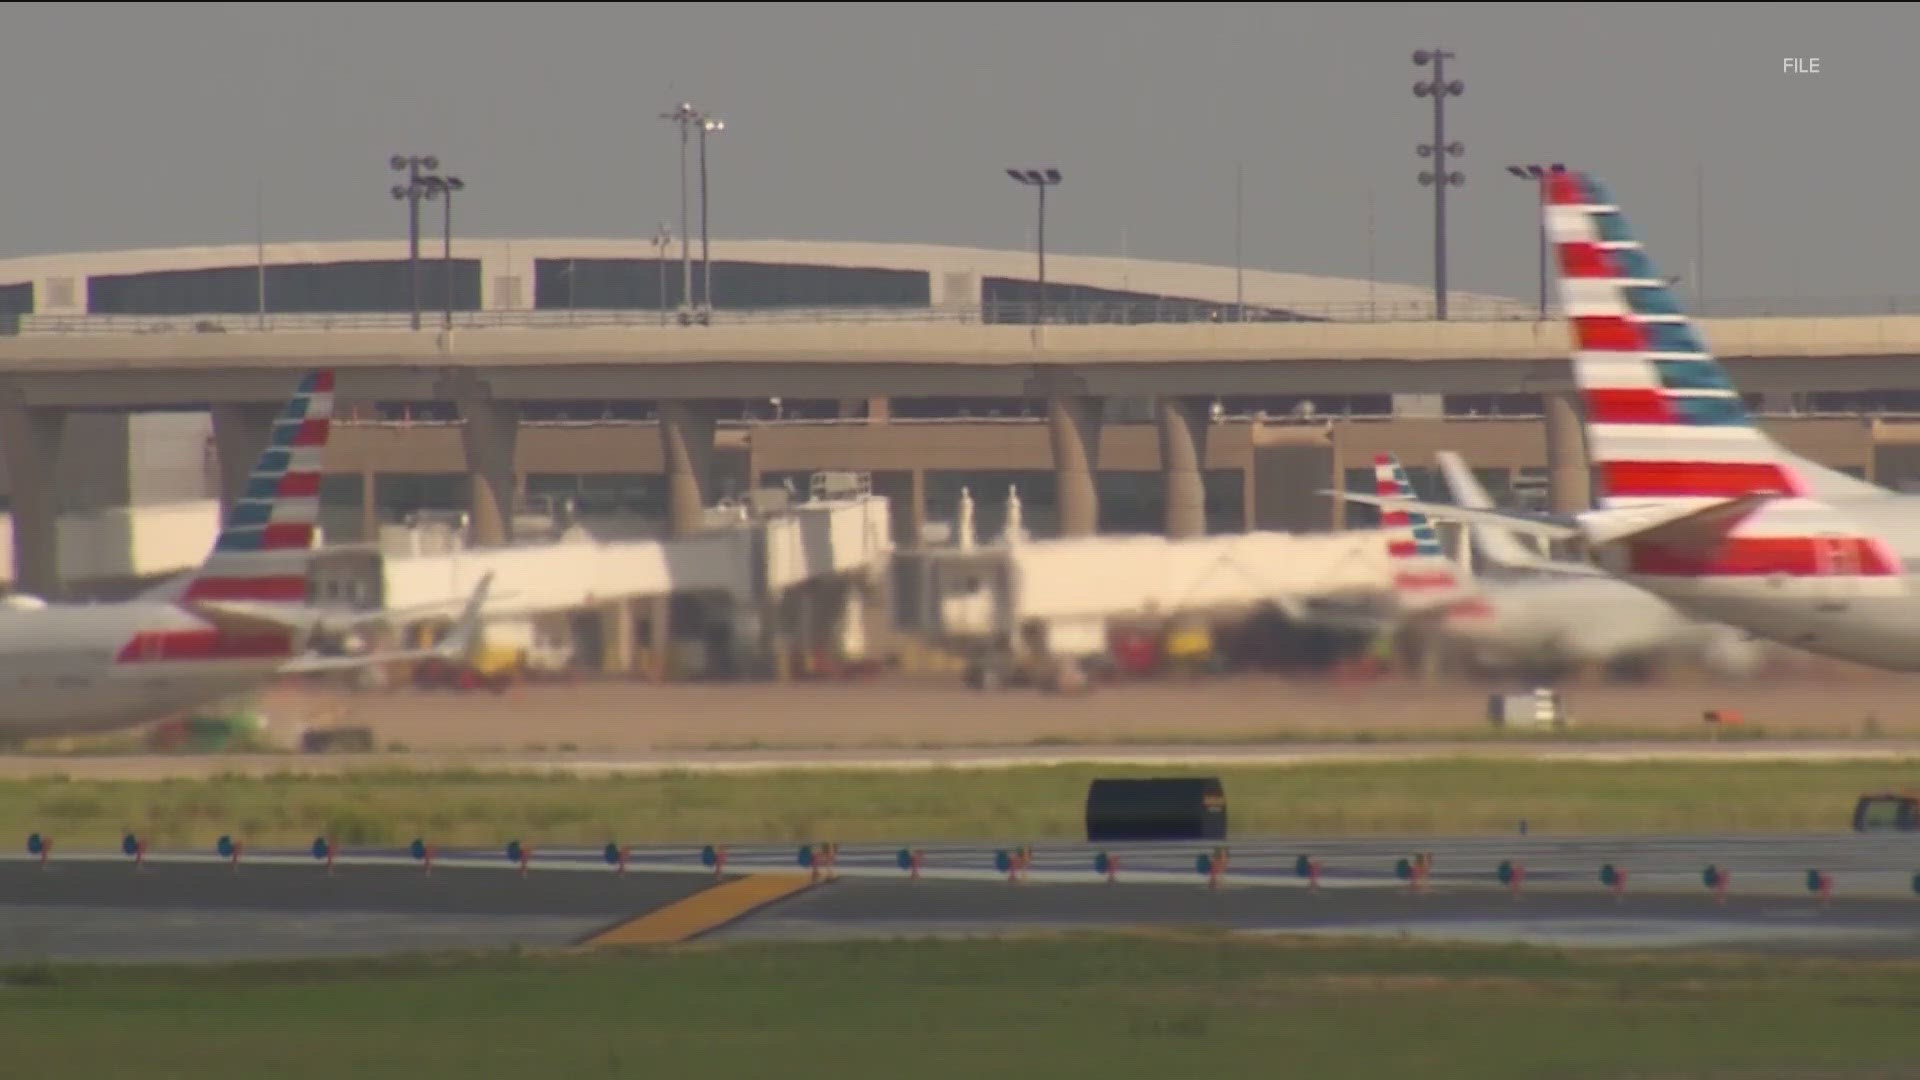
x,y
198,906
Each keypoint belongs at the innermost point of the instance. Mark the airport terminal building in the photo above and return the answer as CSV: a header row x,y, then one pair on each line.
x,y
1263,458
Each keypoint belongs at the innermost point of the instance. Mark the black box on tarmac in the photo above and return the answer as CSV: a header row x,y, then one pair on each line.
x,y
1162,808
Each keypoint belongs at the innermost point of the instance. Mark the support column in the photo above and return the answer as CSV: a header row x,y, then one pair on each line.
x,y
917,509
489,435
369,507
616,637
1183,423
30,439
240,433
1569,484
686,444
659,637
1074,424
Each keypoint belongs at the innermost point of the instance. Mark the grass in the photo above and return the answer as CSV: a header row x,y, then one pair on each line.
x,y
1445,797
1108,1006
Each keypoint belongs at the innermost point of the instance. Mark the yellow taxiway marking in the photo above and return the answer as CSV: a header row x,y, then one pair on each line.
x,y
703,911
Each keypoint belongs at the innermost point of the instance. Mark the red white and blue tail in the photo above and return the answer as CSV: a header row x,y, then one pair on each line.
x,y
1666,427
1423,576
267,540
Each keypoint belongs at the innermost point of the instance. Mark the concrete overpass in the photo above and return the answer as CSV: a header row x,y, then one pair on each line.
x,y
491,365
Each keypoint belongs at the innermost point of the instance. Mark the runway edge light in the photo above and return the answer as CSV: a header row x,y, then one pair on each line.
x,y
1614,879
1716,879
1820,883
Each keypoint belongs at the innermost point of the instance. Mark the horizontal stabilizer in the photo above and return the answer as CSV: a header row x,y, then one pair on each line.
x,y
1696,529
1551,527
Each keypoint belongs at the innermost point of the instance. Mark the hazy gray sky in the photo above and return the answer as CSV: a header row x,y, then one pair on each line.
x,y
151,125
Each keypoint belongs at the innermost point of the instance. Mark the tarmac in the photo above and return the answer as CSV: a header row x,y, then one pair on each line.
x,y
198,906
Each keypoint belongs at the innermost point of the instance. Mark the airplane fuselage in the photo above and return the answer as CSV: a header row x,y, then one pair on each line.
x,y
1868,620
89,668
1582,619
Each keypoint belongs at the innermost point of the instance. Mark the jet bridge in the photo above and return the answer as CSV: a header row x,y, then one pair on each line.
x,y
1054,600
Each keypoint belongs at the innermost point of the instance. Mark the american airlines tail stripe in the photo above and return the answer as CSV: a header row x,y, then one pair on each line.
x,y
1627,406
1576,189
1584,259
1718,479
178,645
284,588
1715,443
1745,556
299,485
1608,333
1411,580
291,432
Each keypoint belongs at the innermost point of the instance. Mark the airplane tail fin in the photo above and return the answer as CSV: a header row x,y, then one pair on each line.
x,y
1499,546
1664,423
1423,576
265,544
1666,430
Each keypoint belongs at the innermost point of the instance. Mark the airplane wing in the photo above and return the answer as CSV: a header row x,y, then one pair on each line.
x,y
255,617
457,645
1551,526
1666,524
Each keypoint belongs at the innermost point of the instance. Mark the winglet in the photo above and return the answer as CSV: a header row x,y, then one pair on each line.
x,y
465,635
1496,543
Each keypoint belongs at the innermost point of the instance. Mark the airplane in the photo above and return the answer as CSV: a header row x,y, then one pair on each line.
x,y
233,624
1549,614
1697,504
1524,614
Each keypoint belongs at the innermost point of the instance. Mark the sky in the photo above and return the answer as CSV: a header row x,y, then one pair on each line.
x,y
159,125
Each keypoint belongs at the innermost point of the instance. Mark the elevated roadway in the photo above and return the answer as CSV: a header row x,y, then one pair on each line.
x,y
698,374
125,370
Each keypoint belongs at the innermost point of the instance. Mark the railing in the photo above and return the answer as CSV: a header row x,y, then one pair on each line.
x,y
1893,416
995,312
998,312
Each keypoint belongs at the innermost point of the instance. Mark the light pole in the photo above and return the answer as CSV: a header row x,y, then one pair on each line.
x,y
411,193
444,187
684,115
1041,180
1441,178
707,123
1538,174
662,239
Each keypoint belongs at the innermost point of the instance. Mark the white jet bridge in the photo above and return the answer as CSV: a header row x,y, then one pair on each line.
x,y
1017,598
747,568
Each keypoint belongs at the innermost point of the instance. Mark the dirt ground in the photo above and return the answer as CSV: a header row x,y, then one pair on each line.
x,y
613,717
